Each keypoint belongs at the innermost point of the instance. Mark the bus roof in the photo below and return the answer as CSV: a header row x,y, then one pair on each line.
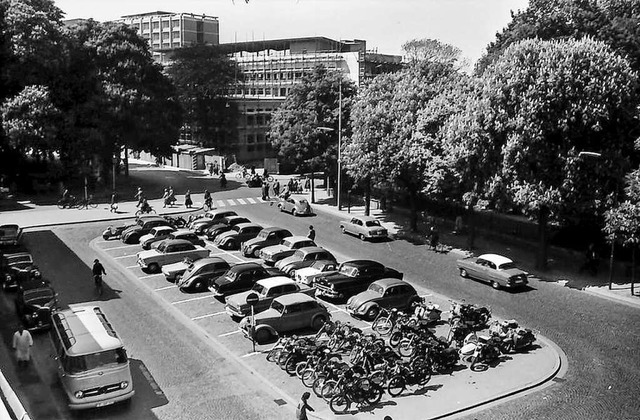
x,y
85,330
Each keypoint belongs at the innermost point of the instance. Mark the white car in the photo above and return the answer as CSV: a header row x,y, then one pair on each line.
x,y
364,227
273,254
308,275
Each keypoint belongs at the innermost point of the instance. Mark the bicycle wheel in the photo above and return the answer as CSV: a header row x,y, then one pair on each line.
x,y
239,175
395,339
329,389
274,354
291,364
374,395
396,386
93,205
318,383
339,404
138,213
283,358
308,377
406,348
61,204
382,326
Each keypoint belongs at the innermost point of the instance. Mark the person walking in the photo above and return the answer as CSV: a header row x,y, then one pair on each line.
x,y
139,196
434,238
165,197
187,199
22,343
312,233
113,207
98,271
276,188
265,190
303,407
172,197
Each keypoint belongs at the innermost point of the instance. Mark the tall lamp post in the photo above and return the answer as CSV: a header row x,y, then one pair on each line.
x,y
339,185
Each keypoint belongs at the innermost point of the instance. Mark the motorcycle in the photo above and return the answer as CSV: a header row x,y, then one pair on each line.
x,y
441,356
480,351
511,337
471,315
425,314
113,232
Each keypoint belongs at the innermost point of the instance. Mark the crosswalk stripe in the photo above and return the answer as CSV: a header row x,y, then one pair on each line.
x,y
241,201
251,200
221,203
231,202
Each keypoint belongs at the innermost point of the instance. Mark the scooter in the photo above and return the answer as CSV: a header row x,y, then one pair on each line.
x,y
480,351
113,232
472,316
510,337
425,314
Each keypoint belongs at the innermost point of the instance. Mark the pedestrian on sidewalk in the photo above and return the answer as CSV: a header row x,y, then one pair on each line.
x,y
210,169
172,197
433,238
113,207
187,199
165,197
307,184
22,343
312,233
139,196
276,188
303,407
265,190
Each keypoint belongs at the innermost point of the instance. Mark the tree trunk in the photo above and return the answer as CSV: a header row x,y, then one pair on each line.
x,y
543,220
414,211
313,190
126,162
367,197
633,267
471,227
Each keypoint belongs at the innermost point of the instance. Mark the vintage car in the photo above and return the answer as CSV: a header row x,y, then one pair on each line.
x,y
16,268
309,274
495,269
267,237
302,258
241,277
199,273
132,234
224,225
10,235
239,233
34,302
352,278
174,272
273,254
185,234
210,218
295,206
290,312
266,290
384,293
155,235
169,252
364,227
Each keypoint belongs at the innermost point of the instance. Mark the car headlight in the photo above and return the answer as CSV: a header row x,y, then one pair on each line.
x,y
79,394
349,302
124,384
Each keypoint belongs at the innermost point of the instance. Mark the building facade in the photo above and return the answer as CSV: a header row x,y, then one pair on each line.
x,y
165,31
271,68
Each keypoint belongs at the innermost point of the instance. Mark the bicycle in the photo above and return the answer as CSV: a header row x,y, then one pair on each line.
x,y
207,205
146,210
68,203
85,203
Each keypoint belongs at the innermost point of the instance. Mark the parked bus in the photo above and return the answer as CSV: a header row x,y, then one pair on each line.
x,y
92,363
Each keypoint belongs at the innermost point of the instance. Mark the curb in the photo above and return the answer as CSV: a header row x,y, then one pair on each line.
x,y
13,402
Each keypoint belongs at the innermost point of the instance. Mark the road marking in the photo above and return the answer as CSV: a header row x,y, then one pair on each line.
x,y
253,353
165,288
150,275
132,266
221,203
251,200
122,256
428,295
208,315
230,333
192,299
231,202
241,201
337,310
121,247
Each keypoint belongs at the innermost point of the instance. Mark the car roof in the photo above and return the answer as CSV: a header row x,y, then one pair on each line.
x,y
498,260
364,218
245,266
9,226
171,228
274,229
182,232
177,241
208,260
234,217
270,282
296,238
362,263
312,249
388,282
292,298
241,225
216,212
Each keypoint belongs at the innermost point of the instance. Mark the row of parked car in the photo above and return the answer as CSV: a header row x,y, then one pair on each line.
x,y
34,299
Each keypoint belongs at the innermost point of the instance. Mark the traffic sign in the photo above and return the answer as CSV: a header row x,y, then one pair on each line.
x,y
252,299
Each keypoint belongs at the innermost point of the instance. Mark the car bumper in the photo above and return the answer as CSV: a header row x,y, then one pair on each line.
x,y
216,291
142,264
326,292
235,312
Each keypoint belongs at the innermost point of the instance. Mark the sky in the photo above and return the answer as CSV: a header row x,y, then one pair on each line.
x,y
385,24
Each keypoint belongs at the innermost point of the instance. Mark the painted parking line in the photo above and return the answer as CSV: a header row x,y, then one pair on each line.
x,y
173,286
253,353
132,266
121,247
209,296
230,333
150,275
208,315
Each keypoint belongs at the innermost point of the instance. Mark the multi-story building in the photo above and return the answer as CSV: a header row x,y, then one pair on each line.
x,y
166,31
272,67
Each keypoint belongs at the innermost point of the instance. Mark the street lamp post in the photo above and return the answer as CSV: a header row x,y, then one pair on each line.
x,y
338,186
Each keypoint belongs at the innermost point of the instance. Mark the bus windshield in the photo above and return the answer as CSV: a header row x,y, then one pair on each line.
x,y
104,359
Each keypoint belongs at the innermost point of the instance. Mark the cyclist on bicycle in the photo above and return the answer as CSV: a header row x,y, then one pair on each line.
x,y
145,207
208,201
98,271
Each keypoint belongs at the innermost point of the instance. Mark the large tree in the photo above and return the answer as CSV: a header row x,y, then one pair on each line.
x,y
203,76
304,129
518,143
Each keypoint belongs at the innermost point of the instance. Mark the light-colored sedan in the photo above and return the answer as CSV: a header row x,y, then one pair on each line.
x,y
364,227
308,275
495,269
295,206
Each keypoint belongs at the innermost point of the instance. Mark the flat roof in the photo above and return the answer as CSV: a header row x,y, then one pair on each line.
x,y
85,330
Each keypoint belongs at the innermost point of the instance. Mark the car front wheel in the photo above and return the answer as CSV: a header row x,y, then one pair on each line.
x,y
362,237
372,313
495,285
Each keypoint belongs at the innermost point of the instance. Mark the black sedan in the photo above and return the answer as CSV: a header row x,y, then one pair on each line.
x,y
352,278
240,278
34,302
200,273
225,225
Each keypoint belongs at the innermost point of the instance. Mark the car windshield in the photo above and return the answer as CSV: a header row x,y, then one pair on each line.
x,y
299,254
287,243
277,306
376,288
507,266
19,259
231,275
259,289
372,223
162,246
348,270
319,265
38,294
140,222
78,364
302,201
263,234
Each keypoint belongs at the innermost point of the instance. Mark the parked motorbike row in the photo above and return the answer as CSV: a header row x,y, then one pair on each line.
x,y
115,232
345,366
